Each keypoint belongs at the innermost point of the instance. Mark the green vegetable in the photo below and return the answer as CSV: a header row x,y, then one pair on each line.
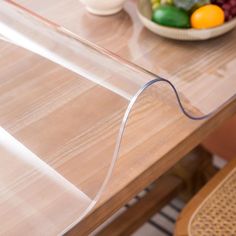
x,y
171,16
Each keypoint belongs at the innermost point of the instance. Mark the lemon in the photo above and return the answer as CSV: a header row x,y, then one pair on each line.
x,y
207,16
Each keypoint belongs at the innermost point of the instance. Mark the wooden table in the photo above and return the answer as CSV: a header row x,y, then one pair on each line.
x,y
192,66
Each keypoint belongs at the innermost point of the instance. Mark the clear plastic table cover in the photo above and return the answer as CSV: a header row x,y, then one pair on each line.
x,y
65,105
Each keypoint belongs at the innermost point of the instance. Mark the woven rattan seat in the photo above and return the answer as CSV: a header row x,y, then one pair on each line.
x,y
212,212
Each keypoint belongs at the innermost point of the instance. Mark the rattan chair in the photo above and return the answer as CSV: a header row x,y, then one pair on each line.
x,y
212,212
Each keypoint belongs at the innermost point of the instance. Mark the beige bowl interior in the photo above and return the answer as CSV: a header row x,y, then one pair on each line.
x,y
145,13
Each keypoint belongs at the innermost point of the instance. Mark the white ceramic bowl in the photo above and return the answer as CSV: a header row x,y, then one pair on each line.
x,y
103,7
145,14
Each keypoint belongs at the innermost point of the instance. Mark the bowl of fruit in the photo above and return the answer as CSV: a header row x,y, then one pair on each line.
x,y
188,19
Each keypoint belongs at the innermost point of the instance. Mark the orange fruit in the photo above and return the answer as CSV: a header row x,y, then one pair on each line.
x,y
207,16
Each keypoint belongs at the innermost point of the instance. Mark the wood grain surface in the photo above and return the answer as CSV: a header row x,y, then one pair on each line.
x,y
139,213
57,115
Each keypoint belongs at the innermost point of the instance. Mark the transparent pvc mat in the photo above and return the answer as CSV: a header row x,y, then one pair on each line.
x,y
68,110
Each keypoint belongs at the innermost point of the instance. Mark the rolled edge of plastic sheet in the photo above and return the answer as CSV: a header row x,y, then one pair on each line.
x,y
65,105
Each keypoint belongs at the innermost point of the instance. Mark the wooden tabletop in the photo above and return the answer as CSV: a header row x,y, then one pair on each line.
x,y
202,71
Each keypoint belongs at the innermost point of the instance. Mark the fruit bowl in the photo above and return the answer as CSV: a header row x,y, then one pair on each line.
x,y
144,10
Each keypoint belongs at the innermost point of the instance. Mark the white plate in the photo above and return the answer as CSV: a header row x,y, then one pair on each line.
x,y
145,14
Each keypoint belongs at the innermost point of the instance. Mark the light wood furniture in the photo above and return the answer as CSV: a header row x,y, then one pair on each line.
x,y
184,180
163,143
166,189
222,142
213,210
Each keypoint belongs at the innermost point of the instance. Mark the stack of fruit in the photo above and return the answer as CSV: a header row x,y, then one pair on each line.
x,y
198,14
